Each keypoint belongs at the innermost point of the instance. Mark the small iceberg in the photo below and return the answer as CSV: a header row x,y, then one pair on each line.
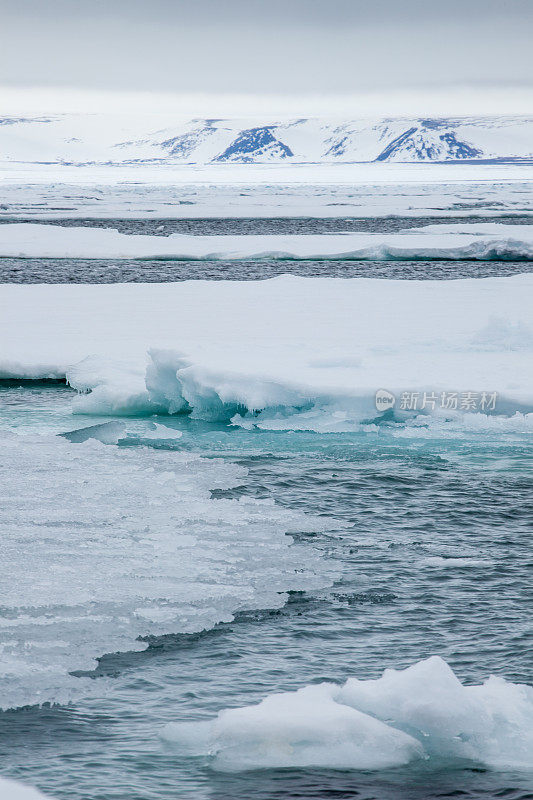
x,y
422,712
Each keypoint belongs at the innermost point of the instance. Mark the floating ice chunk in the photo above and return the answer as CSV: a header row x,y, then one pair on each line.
x,y
110,386
13,790
158,431
421,712
153,432
107,433
440,561
488,723
307,728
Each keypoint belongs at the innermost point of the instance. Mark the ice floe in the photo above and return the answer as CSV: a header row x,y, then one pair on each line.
x,y
484,241
233,191
422,712
102,545
290,352
13,790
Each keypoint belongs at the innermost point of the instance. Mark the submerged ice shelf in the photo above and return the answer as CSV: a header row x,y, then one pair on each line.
x,y
479,241
103,545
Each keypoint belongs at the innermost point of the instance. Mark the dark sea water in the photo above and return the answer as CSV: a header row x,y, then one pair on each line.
x,y
253,225
414,500
48,270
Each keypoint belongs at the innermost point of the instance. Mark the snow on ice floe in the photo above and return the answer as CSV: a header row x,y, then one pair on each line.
x,y
422,712
298,353
486,241
378,190
13,790
102,545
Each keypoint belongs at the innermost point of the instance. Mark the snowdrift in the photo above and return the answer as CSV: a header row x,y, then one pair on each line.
x,y
288,352
488,241
422,712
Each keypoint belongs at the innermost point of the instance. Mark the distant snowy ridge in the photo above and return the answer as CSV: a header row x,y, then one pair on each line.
x,y
110,139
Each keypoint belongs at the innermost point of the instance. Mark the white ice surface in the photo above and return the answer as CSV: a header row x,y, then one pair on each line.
x,y
458,241
13,790
101,545
232,191
287,352
422,712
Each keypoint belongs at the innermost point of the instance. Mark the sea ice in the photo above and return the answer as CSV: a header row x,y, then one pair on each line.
x,y
458,241
423,711
225,191
13,790
107,433
102,545
286,353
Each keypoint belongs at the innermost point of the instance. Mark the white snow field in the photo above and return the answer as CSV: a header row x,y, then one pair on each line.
x,y
286,352
101,545
422,712
113,165
266,190
478,241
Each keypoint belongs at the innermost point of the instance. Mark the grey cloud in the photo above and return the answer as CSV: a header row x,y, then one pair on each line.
x,y
265,46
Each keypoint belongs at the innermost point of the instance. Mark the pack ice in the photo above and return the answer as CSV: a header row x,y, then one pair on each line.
x,y
422,712
355,190
480,241
102,545
288,352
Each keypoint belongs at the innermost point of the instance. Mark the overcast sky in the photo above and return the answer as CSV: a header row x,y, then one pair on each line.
x,y
269,47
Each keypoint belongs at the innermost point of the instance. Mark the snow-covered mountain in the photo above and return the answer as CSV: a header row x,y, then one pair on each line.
x,y
110,139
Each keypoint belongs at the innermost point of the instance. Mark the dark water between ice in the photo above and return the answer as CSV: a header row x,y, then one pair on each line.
x,y
446,492
48,270
284,225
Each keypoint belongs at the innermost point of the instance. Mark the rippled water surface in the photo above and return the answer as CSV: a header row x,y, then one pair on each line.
x,y
49,270
416,499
